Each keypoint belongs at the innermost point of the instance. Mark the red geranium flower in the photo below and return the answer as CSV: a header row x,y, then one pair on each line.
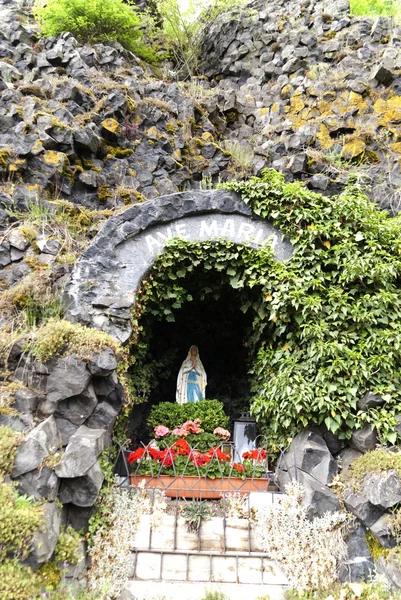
x,y
200,459
258,455
137,455
181,447
238,467
217,453
154,453
166,457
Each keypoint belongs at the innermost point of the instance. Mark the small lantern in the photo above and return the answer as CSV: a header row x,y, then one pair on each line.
x,y
244,436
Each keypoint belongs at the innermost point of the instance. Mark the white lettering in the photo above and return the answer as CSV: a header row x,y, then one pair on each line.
x,y
208,231
166,236
257,239
228,228
274,240
152,241
245,230
180,229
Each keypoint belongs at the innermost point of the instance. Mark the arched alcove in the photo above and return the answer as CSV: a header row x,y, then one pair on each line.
x,y
220,329
103,284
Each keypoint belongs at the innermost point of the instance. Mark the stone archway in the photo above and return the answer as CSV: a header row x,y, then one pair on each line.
x,y
103,284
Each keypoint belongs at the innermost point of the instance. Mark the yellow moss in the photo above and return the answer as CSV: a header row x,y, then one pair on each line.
x,y
131,104
51,157
28,232
117,152
171,127
207,137
275,107
4,157
103,193
111,125
297,104
90,166
177,155
353,149
263,111
286,91
324,137
396,147
153,132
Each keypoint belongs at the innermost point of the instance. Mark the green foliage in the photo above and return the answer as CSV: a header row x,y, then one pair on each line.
x,y
241,153
91,21
67,547
9,441
375,8
59,336
172,415
375,461
20,517
16,581
375,548
102,518
50,576
183,28
194,513
330,328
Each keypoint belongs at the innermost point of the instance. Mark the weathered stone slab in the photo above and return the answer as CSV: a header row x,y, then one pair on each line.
x,y
39,483
309,453
45,539
38,444
78,408
359,506
364,439
382,489
82,491
69,378
82,451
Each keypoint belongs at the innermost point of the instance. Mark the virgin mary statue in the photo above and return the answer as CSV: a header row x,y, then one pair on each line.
x,y
192,380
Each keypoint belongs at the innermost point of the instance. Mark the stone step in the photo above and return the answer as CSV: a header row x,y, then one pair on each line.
x,y
143,590
215,535
205,567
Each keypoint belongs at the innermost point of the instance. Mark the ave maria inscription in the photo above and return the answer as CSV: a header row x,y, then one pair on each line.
x,y
137,254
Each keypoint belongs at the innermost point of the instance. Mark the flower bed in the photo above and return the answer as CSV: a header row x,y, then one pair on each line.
x,y
204,488
188,451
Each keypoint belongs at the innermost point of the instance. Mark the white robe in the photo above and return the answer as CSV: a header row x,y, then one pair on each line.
x,y
196,384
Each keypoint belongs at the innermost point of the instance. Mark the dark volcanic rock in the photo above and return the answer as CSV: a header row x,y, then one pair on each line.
x,y
82,491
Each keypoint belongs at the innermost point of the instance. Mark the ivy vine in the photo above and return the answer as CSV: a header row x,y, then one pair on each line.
x,y
326,324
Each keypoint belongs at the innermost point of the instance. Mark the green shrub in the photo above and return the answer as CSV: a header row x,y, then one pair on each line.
x,y
19,520
17,582
67,548
59,336
94,21
375,461
172,415
375,8
328,329
50,576
9,441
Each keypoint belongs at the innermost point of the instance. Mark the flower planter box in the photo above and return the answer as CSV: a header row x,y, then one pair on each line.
x,y
191,486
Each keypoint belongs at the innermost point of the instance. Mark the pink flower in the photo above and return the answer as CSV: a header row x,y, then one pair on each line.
x,y
223,434
161,431
180,432
192,426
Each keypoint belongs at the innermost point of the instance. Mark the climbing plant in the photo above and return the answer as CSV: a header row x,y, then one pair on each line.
x,y
326,324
